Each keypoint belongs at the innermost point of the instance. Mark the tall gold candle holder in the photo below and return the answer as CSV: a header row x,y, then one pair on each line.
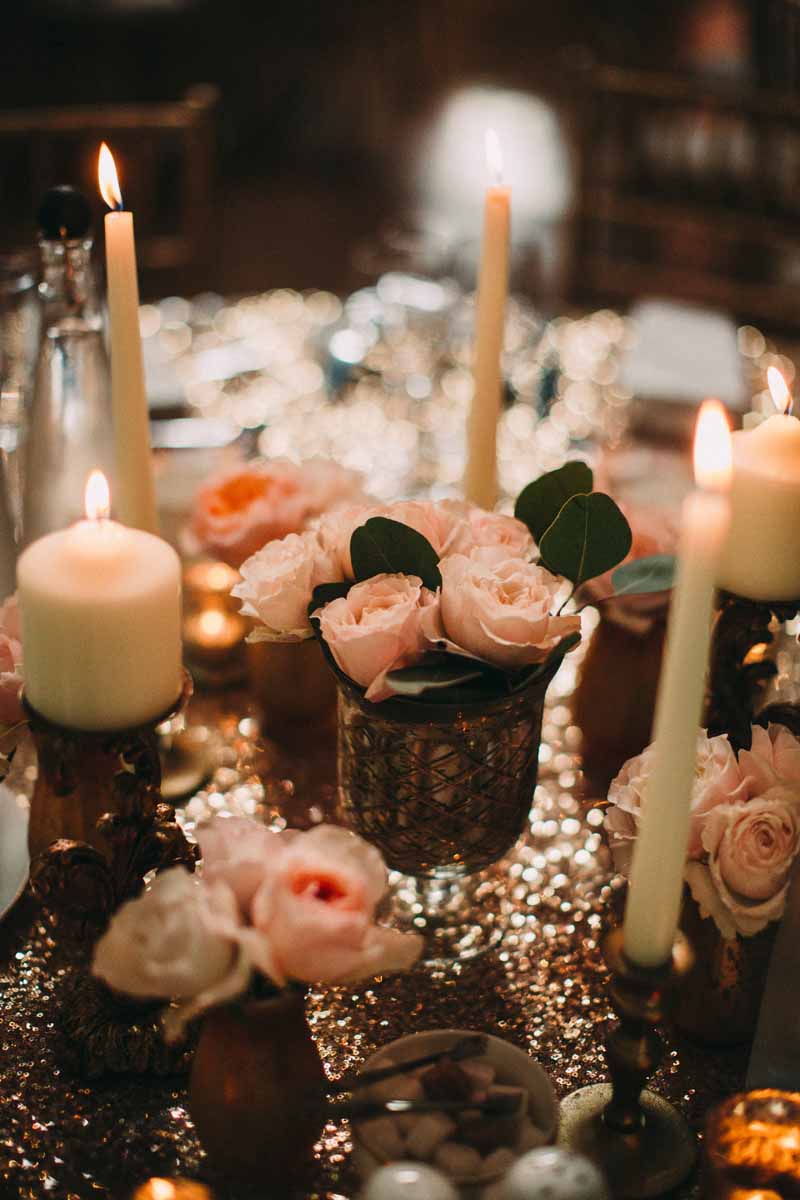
x,y
637,1138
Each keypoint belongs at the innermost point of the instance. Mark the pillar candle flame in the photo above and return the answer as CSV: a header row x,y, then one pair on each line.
x,y
713,452
97,498
494,156
781,396
107,178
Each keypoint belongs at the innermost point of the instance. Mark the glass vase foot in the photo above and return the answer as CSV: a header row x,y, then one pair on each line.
x,y
458,917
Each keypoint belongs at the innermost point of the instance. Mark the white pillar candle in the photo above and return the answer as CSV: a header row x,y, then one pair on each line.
x,y
761,558
135,499
656,879
480,479
100,605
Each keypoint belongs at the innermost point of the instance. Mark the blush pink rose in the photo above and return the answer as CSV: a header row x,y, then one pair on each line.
x,y
239,512
751,848
499,609
773,758
241,853
717,781
10,663
335,529
376,628
481,528
277,584
435,522
313,919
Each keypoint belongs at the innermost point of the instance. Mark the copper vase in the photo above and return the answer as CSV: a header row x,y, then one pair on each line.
x,y
719,1001
291,683
254,1090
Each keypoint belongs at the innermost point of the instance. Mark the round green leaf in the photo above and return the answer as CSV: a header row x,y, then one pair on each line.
x,y
589,536
540,502
382,546
644,576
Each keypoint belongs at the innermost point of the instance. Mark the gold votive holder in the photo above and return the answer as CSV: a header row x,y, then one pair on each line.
x,y
208,584
213,644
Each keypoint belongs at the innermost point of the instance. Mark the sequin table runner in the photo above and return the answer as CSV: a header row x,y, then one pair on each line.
x,y
543,988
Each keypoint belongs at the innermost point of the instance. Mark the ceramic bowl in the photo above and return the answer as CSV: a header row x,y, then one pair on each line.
x,y
513,1067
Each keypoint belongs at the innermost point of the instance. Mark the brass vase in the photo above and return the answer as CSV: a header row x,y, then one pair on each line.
x,y
291,684
254,1090
719,1001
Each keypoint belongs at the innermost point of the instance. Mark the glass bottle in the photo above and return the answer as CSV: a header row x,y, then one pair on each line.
x,y
69,419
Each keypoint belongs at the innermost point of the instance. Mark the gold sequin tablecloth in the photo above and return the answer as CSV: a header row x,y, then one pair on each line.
x,y
543,988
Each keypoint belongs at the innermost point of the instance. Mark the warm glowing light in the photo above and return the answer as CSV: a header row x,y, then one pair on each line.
x,y
162,1189
107,178
494,156
212,622
97,498
712,447
781,396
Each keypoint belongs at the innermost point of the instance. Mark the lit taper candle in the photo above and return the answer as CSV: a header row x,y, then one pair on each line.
x,y
135,499
656,879
480,479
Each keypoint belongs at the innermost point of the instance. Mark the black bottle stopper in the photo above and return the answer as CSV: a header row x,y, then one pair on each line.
x,y
64,214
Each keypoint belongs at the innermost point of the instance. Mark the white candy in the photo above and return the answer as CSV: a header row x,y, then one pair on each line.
x,y
384,1135
554,1173
429,1132
408,1181
457,1159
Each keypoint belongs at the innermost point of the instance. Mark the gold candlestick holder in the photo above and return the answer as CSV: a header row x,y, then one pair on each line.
x,y
98,821
637,1138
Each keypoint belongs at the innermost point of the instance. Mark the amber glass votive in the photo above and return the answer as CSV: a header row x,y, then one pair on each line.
x,y
753,1146
172,1189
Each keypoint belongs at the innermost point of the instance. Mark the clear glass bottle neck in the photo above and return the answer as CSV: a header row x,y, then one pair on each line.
x,y
67,287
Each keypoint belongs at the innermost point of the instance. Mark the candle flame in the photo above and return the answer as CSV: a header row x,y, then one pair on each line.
x,y
212,622
781,396
97,498
107,178
162,1189
494,156
713,451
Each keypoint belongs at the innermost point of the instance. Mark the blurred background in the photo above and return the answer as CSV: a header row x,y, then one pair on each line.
x,y
652,148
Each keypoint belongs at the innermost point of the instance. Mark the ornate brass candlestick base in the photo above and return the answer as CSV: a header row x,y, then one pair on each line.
x,y
638,1139
98,821
739,669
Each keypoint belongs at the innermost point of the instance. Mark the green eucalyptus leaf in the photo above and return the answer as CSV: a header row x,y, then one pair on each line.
x,y
382,546
644,576
589,536
540,502
443,672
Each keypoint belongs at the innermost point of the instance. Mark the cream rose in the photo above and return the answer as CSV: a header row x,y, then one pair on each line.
x,y
178,940
376,628
717,780
277,584
498,608
751,848
313,919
